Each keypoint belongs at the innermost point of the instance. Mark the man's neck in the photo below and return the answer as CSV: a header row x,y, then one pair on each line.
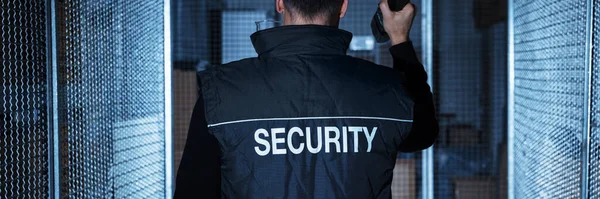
x,y
288,20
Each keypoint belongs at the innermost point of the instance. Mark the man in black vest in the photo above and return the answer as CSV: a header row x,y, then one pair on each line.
x,y
303,119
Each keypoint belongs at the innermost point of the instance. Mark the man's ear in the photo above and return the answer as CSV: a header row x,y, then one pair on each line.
x,y
280,6
344,9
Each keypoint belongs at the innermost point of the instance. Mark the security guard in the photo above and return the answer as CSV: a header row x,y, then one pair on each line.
x,y
303,119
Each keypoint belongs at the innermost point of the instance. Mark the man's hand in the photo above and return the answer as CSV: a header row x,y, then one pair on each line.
x,y
397,24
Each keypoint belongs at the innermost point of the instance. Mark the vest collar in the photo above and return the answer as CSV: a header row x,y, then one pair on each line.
x,y
301,39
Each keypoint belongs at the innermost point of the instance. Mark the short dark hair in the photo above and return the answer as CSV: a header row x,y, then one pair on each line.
x,y
312,9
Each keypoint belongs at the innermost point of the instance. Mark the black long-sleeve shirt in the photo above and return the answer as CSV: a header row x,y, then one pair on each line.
x,y
199,174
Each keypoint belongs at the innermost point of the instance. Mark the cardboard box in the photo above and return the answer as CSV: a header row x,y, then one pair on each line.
x,y
463,135
404,183
474,187
185,94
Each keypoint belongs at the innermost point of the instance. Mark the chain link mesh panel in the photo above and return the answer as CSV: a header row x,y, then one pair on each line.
x,y
111,104
23,100
549,91
594,166
139,137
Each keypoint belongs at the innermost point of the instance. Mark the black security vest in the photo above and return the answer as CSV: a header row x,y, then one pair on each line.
x,y
304,120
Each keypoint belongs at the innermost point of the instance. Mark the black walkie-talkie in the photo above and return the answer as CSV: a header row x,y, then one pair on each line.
x,y
377,23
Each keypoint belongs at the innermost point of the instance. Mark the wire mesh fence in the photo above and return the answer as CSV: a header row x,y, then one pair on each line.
x,y
23,101
111,94
469,75
139,135
111,98
549,96
594,179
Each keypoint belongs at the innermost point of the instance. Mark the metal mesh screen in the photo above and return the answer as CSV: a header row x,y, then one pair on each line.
x,y
209,33
594,173
190,30
549,91
111,104
139,137
23,100
469,75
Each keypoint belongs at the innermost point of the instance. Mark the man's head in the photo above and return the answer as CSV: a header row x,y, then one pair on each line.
x,y
319,12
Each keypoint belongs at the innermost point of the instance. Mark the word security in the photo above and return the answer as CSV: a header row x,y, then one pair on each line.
x,y
278,141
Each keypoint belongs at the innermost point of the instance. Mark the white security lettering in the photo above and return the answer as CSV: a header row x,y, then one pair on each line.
x,y
355,130
370,137
289,140
329,139
345,139
263,142
275,141
279,144
309,141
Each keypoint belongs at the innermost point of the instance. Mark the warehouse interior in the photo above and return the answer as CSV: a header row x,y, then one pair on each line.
x,y
96,96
